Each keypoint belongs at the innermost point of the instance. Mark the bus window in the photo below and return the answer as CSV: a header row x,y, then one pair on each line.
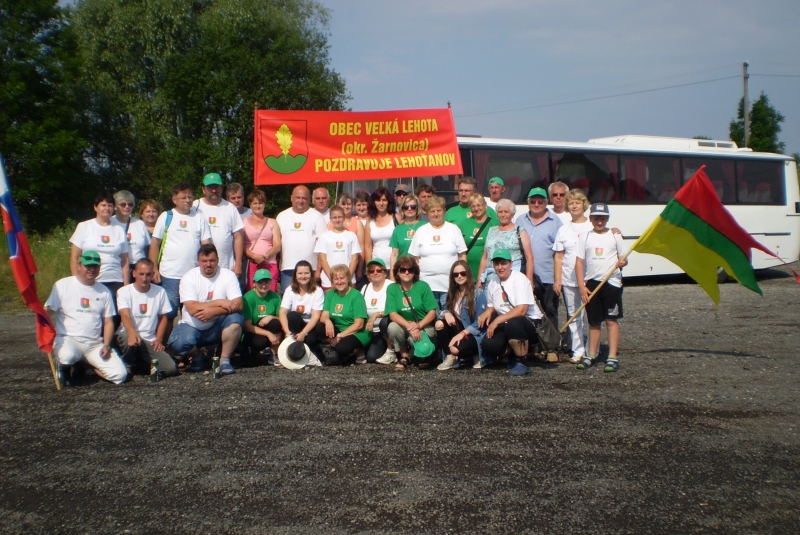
x,y
520,170
651,179
760,182
595,174
719,171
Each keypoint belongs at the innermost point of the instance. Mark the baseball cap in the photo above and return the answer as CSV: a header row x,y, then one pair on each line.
x,y
599,208
537,192
402,187
90,258
261,275
496,180
212,179
502,254
378,261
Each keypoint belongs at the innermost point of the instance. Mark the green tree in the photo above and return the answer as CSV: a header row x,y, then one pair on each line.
x,y
765,125
175,83
41,135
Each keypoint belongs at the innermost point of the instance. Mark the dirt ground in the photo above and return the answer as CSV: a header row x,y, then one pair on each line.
x,y
697,433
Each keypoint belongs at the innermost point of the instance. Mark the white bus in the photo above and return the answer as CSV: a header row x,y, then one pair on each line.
x,y
636,176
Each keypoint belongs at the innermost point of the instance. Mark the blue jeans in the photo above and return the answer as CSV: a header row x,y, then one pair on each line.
x,y
185,337
286,279
172,287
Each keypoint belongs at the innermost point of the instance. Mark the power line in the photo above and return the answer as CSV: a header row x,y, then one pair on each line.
x,y
629,93
778,75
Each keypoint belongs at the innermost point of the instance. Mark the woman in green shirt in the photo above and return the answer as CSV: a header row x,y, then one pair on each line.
x,y
404,232
344,316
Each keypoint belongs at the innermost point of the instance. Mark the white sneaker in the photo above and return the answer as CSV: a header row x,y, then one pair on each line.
x,y
387,358
476,363
450,363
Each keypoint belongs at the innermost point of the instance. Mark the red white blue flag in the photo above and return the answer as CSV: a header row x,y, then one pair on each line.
x,y
22,265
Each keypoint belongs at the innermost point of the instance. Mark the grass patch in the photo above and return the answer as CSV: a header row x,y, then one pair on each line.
x,y
51,253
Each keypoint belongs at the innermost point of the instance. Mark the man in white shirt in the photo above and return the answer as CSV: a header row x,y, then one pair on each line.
x,y
558,198
300,229
322,203
144,309
212,305
234,193
227,229
82,313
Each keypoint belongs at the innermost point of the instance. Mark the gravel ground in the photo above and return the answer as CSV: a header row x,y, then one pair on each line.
x,y
697,433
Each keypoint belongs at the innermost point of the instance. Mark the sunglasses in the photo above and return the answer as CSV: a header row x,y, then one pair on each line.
x,y
125,204
375,270
405,270
558,194
457,274
537,201
410,207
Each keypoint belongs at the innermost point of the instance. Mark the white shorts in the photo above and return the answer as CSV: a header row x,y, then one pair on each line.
x,y
69,351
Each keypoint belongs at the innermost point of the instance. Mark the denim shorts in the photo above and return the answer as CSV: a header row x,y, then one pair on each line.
x,y
173,289
185,337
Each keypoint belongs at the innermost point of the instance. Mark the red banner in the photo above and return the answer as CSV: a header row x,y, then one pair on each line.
x,y
296,147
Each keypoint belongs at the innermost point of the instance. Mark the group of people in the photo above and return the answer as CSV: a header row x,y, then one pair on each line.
x,y
394,278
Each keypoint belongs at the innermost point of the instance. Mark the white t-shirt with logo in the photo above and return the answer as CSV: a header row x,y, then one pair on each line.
x,y
80,309
109,241
339,247
376,301
518,291
567,241
223,220
299,235
437,250
138,238
600,252
196,287
304,304
186,232
144,307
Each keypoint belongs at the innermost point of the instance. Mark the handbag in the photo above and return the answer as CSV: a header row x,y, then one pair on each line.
x,y
549,335
523,264
424,347
243,278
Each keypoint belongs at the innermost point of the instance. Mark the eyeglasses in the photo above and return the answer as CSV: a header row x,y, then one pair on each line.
x,y
457,274
558,194
537,201
125,204
410,207
405,270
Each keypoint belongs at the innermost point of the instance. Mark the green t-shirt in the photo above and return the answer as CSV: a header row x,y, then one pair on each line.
x,y
459,213
402,236
469,227
344,311
421,296
254,307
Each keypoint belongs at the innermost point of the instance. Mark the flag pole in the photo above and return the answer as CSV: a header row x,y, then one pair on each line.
x,y
53,369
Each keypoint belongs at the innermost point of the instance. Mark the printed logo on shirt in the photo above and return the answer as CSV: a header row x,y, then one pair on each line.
x,y
505,297
106,239
339,244
84,302
183,224
374,302
407,301
301,308
410,233
129,236
338,308
143,308
598,251
474,231
298,225
262,309
436,239
212,220
469,214
210,295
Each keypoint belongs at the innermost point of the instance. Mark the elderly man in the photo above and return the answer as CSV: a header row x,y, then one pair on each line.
x,y
300,229
496,190
542,227
457,214
144,309
82,312
558,198
212,305
234,193
322,203
225,223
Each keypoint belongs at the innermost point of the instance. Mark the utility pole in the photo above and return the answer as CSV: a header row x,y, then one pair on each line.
x,y
745,77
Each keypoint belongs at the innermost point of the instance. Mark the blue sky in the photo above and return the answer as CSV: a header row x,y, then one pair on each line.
x,y
512,68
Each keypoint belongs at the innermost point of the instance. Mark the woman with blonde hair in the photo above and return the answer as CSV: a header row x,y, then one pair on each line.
x,y
344,316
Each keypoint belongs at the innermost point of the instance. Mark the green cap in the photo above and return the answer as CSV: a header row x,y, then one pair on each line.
x,y
537,191
90,258
378,261
502,254
261,275
212,179
496,180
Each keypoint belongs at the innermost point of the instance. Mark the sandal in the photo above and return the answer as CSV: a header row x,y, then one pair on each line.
x,y
402,363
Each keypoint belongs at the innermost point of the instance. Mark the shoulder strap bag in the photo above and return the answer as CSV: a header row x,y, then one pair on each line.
x,y
478,235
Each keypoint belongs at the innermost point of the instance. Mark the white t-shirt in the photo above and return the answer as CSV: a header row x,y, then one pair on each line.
x,y
567,241
339,248
564,216
138,238
183,241
437,250
144,307
80,309
604,251
518,291
196,287
326,216
109,241
223,220
376,301
304,304
299,234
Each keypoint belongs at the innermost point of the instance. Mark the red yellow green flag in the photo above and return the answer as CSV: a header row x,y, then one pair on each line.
x,y
698,234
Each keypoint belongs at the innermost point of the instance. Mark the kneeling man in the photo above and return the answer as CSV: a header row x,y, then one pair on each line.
x,y
144,309
82,312
211,315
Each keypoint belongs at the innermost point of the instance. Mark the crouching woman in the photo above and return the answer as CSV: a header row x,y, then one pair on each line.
x,y
344,316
